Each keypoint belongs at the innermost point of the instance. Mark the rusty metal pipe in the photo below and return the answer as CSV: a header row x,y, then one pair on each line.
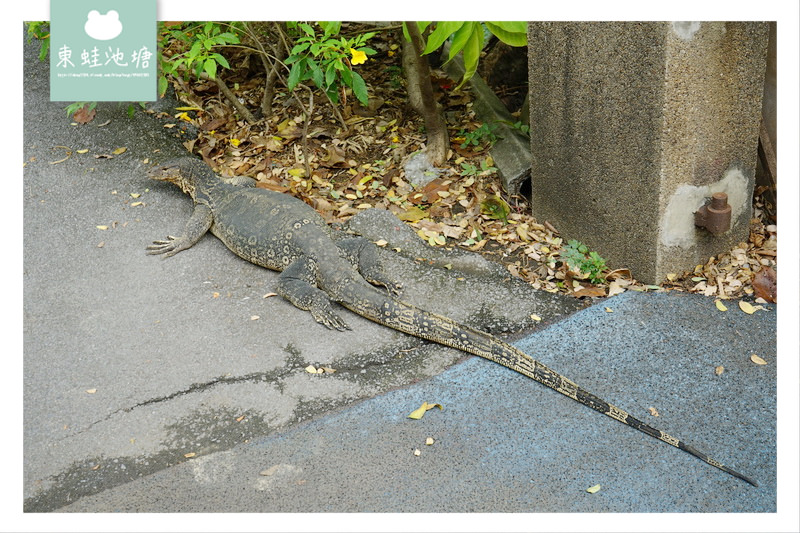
x,y
715,216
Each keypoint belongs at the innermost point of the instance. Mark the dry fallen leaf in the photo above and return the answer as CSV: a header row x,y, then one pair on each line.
x,y
537,318
720,305
420,412
429,441
84,115
653,411
102,227
595,488
591,292
311,369
719,370
746,307
120,150
189,455
757,360
91,391
765,284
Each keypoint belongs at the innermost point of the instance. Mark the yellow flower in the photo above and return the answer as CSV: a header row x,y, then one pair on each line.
x,y
358,56
235,142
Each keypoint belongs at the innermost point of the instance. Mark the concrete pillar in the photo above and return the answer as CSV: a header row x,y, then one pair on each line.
x,y
634,125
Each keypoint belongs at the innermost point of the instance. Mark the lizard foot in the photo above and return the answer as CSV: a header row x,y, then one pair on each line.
x,y
395,288
169,247
329,319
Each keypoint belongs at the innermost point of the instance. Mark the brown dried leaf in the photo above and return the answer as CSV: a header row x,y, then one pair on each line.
x,y
336,158
84,115
591,292
214,124
765,284
619,273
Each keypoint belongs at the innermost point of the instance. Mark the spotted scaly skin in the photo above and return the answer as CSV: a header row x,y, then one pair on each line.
x,y
282,233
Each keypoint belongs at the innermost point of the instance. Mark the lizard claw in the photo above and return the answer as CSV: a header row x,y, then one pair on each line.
x,y
330,320
168,247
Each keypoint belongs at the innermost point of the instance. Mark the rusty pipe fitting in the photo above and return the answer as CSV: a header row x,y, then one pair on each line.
x,y
715,216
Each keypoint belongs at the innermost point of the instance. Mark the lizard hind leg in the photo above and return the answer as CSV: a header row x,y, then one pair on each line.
x,y
297,283
364,255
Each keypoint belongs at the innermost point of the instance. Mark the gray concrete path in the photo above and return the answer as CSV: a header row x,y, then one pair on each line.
x,y
148,385
505,443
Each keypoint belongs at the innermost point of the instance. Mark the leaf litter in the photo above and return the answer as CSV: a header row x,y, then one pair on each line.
x,y
464,206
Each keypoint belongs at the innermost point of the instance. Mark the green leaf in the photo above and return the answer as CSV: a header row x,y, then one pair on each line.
x,y
330,28
472,51
347,76
316,72
299,48
162,85
460,38
298,69
440,34
511,33
228,37
308,30
330,74
360,88
221,60
210,66
194,52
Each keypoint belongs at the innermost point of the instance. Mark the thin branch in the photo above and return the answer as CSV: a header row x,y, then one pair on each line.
x,y
306,120
243,111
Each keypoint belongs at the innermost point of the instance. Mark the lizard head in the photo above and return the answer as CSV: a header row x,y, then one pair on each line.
x,y
176,171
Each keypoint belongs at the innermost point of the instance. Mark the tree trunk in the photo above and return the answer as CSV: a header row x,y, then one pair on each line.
x,y
420,95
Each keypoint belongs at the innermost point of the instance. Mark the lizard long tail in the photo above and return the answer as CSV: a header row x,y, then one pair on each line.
x,y
404,317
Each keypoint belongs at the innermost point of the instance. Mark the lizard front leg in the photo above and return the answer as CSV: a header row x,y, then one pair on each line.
x,y
196,227
364,255
297,283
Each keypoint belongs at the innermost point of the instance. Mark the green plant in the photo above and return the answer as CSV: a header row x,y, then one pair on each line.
x,y
199,55
395,76
468,37
327,59
524,129
479,136
578,257
40,29
468,169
